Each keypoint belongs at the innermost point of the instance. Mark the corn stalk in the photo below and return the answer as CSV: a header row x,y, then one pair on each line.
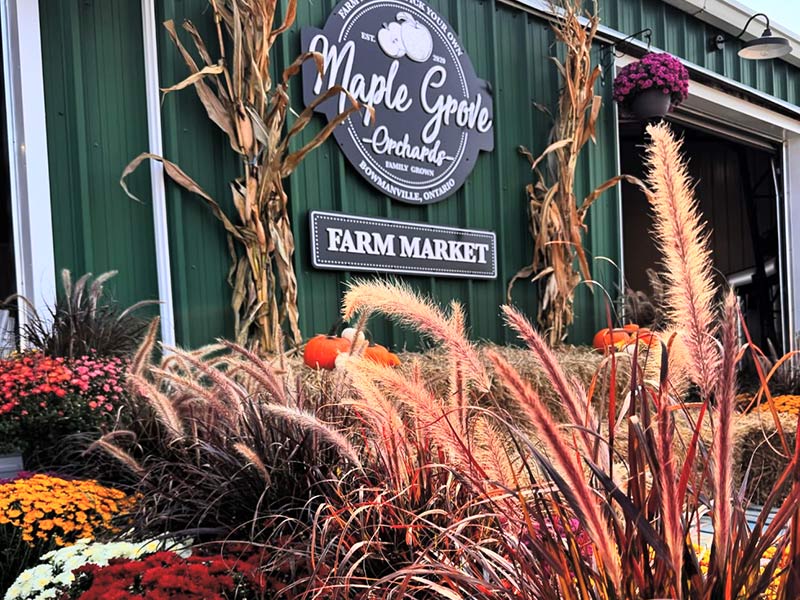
x,y
241,98
556,221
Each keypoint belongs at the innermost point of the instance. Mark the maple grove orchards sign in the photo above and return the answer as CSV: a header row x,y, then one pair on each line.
x,y
433,115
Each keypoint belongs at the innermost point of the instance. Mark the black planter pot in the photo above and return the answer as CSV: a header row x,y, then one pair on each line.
x,y
651,103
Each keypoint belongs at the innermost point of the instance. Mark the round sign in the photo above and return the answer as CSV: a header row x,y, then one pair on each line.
x,y
432,115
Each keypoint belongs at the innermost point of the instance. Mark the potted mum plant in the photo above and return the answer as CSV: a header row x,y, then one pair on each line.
x,y
652,86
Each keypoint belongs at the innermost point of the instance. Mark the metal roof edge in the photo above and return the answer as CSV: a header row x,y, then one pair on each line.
x,y
608,34
730,16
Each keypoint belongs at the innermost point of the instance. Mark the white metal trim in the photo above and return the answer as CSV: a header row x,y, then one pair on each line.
x,y
791,202
623,285
159,197
27,153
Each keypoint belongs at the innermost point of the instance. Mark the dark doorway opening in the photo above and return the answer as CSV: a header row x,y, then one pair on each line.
x,y
740,198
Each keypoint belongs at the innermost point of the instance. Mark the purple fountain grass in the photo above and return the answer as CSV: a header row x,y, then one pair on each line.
x,y
586,501
722,445
437,420
399,302
579,412
683,242
671,502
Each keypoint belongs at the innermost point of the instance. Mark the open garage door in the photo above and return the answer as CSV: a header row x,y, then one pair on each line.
x,y
740,196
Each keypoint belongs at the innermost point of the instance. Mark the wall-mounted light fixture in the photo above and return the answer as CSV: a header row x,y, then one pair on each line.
x,y
760,48
608,52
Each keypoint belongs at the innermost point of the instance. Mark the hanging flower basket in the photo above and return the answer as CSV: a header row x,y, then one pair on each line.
x,y
653,86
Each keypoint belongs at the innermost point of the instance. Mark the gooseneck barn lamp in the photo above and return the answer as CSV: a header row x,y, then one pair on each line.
x,y
760,48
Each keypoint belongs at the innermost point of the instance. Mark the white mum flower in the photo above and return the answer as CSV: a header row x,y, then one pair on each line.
x,y
14,592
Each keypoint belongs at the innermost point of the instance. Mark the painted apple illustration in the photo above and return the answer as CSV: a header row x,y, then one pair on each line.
x,y
390,39
416,38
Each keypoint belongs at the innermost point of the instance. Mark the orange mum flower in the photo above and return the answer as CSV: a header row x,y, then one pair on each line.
x,y
59,511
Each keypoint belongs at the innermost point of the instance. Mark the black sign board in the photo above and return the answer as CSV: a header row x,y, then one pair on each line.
x,y
432,114
349,243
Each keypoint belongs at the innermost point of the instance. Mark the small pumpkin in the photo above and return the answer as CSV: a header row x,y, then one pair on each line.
x,y
321,351
609,337
631,328
353,334
381,355
646,336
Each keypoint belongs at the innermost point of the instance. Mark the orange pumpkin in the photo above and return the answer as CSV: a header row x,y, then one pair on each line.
x,y
631,328
381,355
609,337
321,351
647,336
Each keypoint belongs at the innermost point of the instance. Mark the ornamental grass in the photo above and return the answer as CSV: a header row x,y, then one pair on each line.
x,y
385,484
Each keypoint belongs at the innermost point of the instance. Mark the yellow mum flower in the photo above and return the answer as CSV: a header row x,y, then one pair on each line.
x,y
59,511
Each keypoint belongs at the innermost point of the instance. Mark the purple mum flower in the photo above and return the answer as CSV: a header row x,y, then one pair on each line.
x,y
654,71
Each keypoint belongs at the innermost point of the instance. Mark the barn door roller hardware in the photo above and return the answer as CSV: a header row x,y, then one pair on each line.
x,y
761,48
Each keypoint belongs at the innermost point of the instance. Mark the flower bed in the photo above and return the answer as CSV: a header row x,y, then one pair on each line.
x,y
168,575
54,575
454,479
43,399
41,512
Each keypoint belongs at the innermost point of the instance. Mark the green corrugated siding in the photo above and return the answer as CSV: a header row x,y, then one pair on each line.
x,y
96,120
510,49
198,247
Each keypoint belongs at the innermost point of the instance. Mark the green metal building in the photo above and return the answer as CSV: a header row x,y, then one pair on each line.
x,y
82,99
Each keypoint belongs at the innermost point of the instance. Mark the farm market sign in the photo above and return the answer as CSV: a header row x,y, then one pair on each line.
x,y
433,115
347,242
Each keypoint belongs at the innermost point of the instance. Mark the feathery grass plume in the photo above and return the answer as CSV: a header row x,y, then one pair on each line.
x,y
580,414
313,424
433,419
230,389
365,375
160,403
256,367
564,456
398,301
251,457
492,454
670,502
144,353
683,242
105,444
722,446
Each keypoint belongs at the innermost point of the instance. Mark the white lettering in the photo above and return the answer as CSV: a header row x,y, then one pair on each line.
x,y
382,143
464,113
409,248
334,239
